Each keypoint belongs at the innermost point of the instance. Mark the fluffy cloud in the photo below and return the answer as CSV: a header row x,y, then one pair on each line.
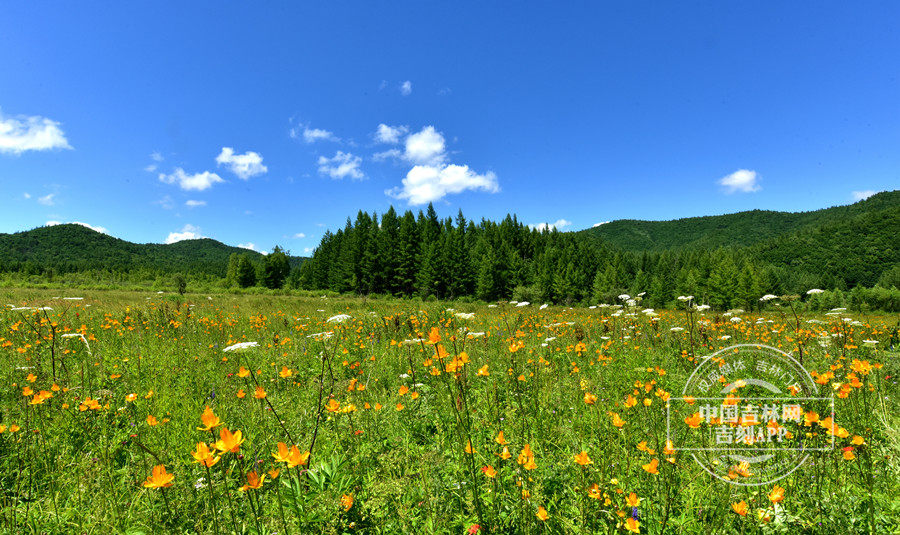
x,y
595,225
299,235
196,182
426,183
156,156
341,166
406,88
558,225
425,147
101,230
742,180
865,194
431,177
390,134
189,232
250,245
194,204
46,200
20,134
243,165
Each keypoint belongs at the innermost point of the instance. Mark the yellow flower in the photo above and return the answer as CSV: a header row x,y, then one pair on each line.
x,y
583,459
159,478
254,481
632,500
777,494
505,454
501,439
210,420
589,398
203,456
483,371
542,514
130,397
632,525
229,441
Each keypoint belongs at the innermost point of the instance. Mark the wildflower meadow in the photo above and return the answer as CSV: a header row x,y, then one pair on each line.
x,y
139,413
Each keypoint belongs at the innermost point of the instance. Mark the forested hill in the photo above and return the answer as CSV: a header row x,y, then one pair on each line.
x,y
70,248
730,230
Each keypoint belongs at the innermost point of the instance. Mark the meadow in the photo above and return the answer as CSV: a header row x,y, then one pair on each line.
x,y
139,412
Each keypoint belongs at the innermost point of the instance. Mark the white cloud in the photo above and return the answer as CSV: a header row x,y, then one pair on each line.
x,y
101,230
151,168
595,225
865,194
387,155
307,250
197,181
299,235
427,183
189,232
425,147
166,202
243,165
27,195
194,204
46,200
342,165
311,135
742,180
250,245
390,134
21,134
156,156
558,225
406,88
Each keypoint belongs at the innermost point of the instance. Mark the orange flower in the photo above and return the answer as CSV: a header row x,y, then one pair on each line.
x,y
203,456
632,500
630,401
260,392
693,421
254,481
243,372
616,420
848,453
740,508
483,371
159,478
241,393
433,337
347,501
469,448
229,441
594,492
273,473
333,405
285,372
652,466
489,471
505,454
542,514
209,419
27,391
403,390
399,406
632,525
777,494
501,439
583,459
151,420
589,398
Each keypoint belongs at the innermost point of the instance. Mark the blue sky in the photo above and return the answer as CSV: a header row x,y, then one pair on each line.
x,y
265,124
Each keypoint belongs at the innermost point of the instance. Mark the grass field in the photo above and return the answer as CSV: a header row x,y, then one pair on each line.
x,y
130,412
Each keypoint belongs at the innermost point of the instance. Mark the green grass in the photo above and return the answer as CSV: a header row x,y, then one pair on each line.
x,y
374,468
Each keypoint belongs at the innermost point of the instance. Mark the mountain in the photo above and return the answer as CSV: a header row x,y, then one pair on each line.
x,y
731,230
70,247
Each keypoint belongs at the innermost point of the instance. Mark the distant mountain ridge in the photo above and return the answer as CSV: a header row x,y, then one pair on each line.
x,y
73,247
730,230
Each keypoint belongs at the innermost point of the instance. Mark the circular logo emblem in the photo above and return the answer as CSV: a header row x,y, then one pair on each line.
x,y
750,415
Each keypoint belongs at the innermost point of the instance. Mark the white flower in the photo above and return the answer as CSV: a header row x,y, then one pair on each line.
x,y
702,307
870,343
815,291
676,329
465,315
768,297
685,297
631,303
325,335
592,307
735,320
410,342
839,309
725,337
523,304
340,318
476,335
624,297
545,305
241,345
